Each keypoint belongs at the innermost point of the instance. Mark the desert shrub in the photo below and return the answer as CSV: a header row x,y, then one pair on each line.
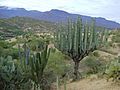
x,y
7,49
11,52
96,54
53,50
113,70
116,38
5,44
93,64
11,75
57,66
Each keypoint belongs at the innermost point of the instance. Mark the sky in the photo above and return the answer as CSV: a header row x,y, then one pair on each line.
x,y
109,9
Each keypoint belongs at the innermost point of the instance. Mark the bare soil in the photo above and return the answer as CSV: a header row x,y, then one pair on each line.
x,y
90,84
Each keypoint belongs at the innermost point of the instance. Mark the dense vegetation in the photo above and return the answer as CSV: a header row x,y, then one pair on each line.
x,y
30,61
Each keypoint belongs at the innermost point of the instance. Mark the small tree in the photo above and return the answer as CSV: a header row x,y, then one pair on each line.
x,y
77,40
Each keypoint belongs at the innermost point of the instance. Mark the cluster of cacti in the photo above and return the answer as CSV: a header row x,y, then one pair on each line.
x,y
35,61
11,75
38,63
77,40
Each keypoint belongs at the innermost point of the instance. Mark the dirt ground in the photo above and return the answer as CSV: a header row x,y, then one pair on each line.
x,y
89,84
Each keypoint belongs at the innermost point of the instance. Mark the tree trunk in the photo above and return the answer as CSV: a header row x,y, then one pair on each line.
x,y
76,71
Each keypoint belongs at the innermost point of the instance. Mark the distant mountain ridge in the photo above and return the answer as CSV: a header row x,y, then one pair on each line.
x,y
53,15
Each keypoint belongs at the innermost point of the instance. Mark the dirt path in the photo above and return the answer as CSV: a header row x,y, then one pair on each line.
x,y
88,84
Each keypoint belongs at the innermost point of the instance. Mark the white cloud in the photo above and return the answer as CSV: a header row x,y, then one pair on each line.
x,y
100,8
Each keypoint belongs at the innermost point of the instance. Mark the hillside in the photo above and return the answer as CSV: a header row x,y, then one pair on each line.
x,y
96,81
17,25
8,30
53,16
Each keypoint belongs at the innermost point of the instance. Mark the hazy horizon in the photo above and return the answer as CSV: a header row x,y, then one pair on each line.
x,y
108,9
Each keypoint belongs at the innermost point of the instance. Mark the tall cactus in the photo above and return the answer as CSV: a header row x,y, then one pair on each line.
x,y
36,61
78,41
37,65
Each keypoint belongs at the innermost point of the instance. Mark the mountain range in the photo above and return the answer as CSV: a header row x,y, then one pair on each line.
x,y
54,15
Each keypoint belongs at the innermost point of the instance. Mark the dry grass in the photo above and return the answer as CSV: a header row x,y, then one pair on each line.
x,y
90,84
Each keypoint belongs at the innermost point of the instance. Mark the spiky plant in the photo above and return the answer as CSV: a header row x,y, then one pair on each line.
x,y
11,75
77,40
37,64
35,61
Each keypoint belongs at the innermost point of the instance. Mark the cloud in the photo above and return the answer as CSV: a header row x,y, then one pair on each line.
x,y
97,8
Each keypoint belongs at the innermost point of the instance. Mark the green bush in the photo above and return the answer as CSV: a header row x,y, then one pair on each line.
x,y
11,52
116,37
96,54
113,70
57,66
5,44
7,49
11,75
93,64
57,63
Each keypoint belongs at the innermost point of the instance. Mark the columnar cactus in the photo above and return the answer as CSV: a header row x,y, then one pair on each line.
x,y
35,61
38,63
78,40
